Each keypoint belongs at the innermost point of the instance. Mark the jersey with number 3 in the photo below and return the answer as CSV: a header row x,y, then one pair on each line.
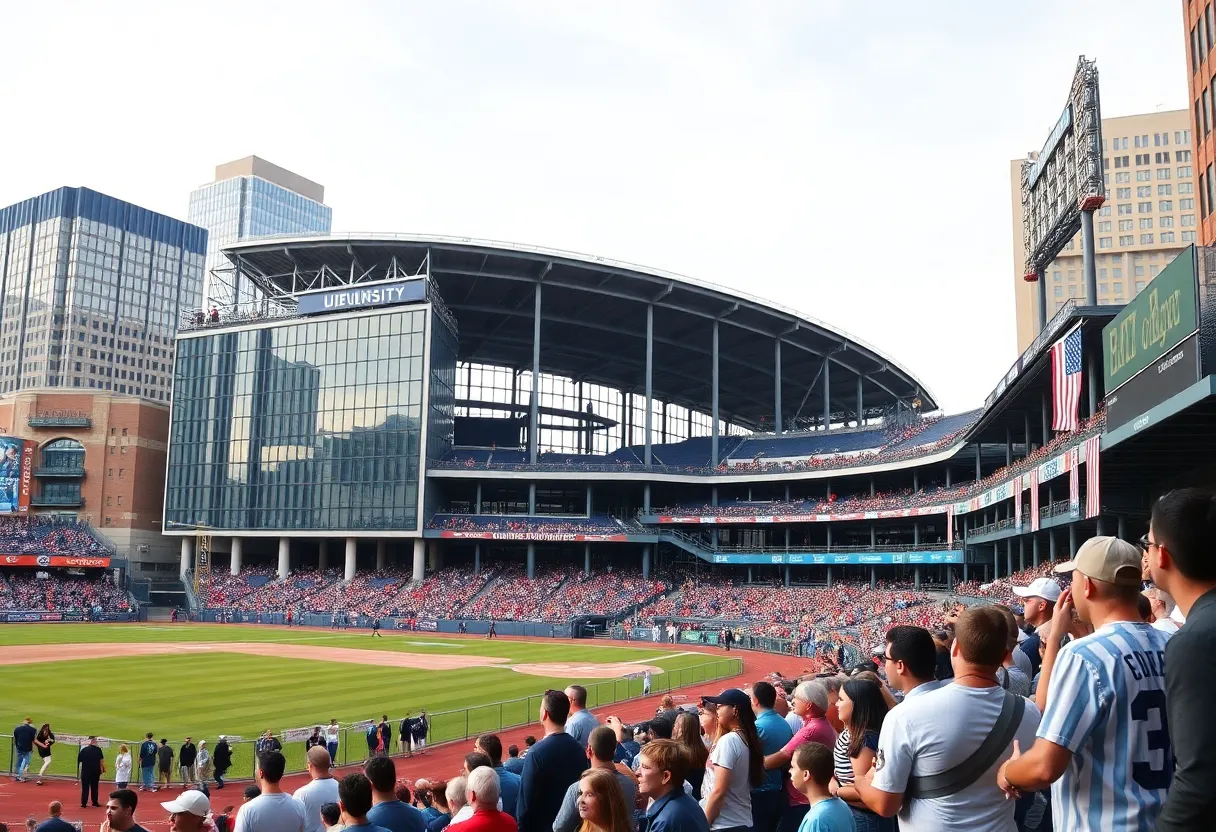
x,y
1106,705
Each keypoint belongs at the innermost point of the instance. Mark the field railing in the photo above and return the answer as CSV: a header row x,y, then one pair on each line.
x,y
445,726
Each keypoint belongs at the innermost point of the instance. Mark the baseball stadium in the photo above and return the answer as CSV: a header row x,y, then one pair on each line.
x,y
416,474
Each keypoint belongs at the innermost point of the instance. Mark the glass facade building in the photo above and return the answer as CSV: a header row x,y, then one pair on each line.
x,y
252,205
316,424
91,288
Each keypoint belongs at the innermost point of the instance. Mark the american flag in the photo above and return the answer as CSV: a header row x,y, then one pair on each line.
x,y
1074,486
1017,503
1066,380
1093,473
1034,499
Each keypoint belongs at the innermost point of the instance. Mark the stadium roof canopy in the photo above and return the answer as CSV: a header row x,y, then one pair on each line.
x,y
594,321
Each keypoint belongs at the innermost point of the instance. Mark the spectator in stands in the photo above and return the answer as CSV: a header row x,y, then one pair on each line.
x,y
439,798
662,770
1039,602
909,661
686,731
811,705
736,762
769,800
601,751
514,763
482,794
387,811
331,817
550,767
273,810
1011,677
188,813
321,788
55,823
811,777
1162,606
120,812
601,804
355,798
932,734
581,721
508,782
458,797
863,709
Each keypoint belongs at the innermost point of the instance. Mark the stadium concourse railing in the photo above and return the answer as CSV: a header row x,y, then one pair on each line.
x,y
445,726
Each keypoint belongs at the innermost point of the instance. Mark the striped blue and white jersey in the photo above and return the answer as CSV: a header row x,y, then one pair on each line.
x,y
1107,706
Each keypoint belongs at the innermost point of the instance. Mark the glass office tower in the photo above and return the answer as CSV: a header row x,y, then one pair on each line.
x,y
252,198
91,289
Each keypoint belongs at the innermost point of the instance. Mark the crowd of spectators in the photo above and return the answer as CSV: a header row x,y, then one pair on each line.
x,y
516,597
596,524
279,595
444,591
50,536
1001,590
224,590
57,592
372,594
607,592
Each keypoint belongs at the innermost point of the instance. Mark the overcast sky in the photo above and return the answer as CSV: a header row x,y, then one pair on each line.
x,y
848,160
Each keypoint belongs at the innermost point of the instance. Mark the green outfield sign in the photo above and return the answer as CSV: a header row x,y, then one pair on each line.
x,y
1155,321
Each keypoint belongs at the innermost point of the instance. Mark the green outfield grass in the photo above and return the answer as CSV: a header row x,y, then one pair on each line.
x,y
207,694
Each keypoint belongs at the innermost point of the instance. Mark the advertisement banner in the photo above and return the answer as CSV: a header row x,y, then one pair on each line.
x,y
359,297
689,519
16,458
551,536
1153,322
844,558
1174,372
55,560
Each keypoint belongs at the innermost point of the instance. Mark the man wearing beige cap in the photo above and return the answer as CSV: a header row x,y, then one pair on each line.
x,y
188,813
1102,745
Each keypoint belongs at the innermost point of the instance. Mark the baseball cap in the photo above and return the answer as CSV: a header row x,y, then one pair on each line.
x,y
192,803
730,696
1044,588
1106,559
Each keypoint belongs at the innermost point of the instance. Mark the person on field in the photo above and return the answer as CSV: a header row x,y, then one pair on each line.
x,y
147,763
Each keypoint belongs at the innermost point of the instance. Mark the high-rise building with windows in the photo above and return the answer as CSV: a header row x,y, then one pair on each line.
x,y
91,293
252,198
1150,215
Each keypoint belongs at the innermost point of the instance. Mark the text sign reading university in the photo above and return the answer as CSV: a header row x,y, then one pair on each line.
x,y
1154,322
358,297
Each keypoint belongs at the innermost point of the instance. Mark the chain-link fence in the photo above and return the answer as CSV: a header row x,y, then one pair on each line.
x,y
353,743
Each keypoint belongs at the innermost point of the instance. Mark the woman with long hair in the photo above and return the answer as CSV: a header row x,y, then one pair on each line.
x,y
43,743
687,733
601,803
862,710
736,763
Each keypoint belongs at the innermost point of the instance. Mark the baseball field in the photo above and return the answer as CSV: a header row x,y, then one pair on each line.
x,y
120,681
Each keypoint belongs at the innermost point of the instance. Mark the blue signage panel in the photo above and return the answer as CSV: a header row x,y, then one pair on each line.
x,y
360,297
849,558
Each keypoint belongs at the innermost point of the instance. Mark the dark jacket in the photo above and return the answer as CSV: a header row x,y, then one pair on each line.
x,y
147,754
222,757
23,738
550,767
187,754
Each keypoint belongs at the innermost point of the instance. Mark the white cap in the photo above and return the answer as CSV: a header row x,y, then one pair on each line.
x,y
879,650
1044,588
192,802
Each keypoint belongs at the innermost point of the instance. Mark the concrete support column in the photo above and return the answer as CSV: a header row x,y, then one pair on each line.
x,y
1051,545
586,558
916,532
871,486
787,492
589,502
534,405
420,559
829,530
1042,286
1009,556
477,505
649,378
1021,553
787,538
713,401
434,556
873,536
1089,270
947,476
238,547
1092,371
915,481
860,403
531,561
476,558
1026,430
873,577
1034,549
646,498
284,557
1072,540
713,493
381,555
829,577
750,576
787,576
349,572
1008,445
1121,526
187,557
1045,413
322,554
646,562
827,394
531,499
777,387
966,569
1100,525
977,461
916,578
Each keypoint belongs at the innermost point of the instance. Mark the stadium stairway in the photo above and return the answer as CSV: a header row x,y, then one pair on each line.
x,y
490,584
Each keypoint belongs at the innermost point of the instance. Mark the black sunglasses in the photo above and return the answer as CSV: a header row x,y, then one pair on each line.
x,y
1146,544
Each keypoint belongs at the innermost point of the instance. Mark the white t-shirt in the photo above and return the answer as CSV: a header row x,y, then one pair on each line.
x,y
312,796
1166,625
271,813
331,733
931,734
730,752
794,721
122,768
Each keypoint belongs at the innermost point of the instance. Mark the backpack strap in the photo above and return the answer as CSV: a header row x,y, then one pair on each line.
x,y
975,766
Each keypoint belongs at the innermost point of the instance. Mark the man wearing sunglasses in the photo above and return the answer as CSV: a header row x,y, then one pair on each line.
x,y
1178,548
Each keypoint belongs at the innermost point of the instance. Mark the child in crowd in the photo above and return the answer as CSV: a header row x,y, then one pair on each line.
x,y
810,772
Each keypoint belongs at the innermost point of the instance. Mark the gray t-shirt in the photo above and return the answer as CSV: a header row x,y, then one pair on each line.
x,y
271,813
568,819
933,733
312,796
730,752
